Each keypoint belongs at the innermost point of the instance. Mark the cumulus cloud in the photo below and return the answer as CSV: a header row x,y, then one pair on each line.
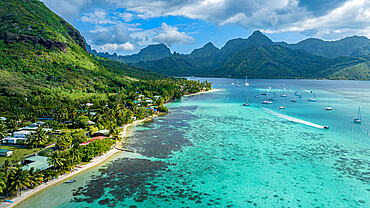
x,y
117,47
170,35
330,19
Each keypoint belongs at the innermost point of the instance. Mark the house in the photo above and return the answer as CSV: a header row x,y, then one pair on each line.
x,y
94,138
2,119
5,152
13,140
36,162
22,134
89,104
157,97
101,133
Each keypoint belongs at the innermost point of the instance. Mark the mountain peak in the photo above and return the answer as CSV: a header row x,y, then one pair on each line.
x,y
257,38
207,50
156,48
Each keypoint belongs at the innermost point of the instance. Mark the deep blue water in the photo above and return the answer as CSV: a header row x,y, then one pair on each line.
x,y
211,151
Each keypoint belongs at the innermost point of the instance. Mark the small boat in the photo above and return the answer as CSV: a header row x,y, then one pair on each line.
x,y
246,82
293,101
257,96
7,200
329,107
296,93
358,119
266,102
326,127
283,106
70,181
283,95
312,99
273,98
247,103
263,93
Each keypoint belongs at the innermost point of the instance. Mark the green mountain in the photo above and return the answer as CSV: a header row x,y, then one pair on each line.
x,y
207,50
149,53
41,53
259,57
331,49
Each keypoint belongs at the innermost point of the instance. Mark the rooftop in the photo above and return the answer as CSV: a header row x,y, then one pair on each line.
x,y
37,162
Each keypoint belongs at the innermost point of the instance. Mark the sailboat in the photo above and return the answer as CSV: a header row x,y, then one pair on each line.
x,y
329,107
312,99
246,82
257,95
358,119
283,106
247,103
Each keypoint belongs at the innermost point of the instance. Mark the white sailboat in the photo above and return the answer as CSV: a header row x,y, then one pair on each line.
x,y
358,119
329,107
283,106
312,99
246,82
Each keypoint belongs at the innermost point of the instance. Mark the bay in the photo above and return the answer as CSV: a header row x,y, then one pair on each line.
x,y
211,151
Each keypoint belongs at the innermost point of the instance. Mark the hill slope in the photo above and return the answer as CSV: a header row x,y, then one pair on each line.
x,y
39,51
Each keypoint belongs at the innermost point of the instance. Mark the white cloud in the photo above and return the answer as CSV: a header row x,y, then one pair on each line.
x,y
170,35
99,17
117,47
353,17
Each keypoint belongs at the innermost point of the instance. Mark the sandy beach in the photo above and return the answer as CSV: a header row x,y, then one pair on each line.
x,y
94,162
202,92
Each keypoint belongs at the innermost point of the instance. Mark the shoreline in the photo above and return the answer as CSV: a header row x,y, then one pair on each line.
x,y
94,162
202,92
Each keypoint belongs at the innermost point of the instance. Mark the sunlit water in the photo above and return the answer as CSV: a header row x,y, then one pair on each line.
x,y
211,151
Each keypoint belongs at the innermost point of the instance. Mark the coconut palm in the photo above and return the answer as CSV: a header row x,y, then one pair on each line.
x,y
56,160
20,180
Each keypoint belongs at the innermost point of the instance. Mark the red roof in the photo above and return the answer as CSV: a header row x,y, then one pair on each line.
x,y
94,138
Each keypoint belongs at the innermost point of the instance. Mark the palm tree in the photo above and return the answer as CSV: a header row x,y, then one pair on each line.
x,y
20,180
56,160
36,177
37,138
3,131
3,181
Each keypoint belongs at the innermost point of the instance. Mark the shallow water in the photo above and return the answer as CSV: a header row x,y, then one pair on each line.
x,y
211,151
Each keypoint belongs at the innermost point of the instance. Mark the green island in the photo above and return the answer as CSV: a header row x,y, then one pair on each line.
x,y
61,106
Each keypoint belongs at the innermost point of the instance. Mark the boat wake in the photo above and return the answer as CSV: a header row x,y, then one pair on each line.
x,y
296,120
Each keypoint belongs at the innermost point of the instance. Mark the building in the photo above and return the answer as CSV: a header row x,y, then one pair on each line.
x,y
36,162
5,152
23,134
13,140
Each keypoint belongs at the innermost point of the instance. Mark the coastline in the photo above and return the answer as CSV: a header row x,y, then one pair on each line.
x,y
202,92
94,162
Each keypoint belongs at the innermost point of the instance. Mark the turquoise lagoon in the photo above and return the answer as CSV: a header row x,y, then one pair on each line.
x,y
211,151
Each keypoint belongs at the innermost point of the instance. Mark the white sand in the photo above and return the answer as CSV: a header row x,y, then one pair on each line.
x,y
202,92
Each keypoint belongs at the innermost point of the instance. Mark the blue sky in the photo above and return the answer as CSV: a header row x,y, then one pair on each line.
x,y
126,26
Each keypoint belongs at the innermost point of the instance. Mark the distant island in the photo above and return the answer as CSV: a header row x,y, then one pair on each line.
x,y
259,57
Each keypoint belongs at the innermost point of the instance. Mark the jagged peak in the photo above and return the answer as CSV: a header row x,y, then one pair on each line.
x,y
257,36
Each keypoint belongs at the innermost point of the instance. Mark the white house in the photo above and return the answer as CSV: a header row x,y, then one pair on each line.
x,y
22,134
13,140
